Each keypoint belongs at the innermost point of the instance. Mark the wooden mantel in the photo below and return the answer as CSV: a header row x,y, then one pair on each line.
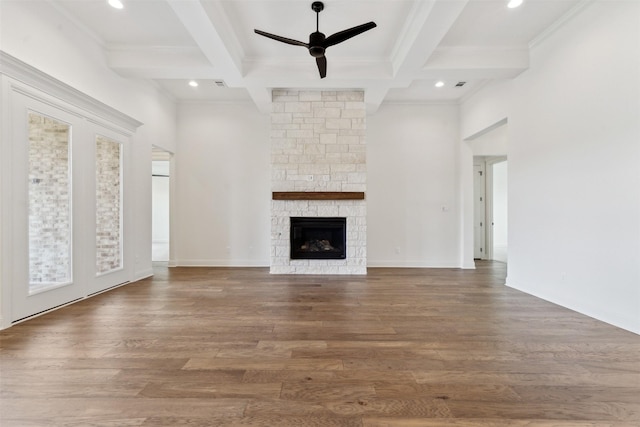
x,y
318,195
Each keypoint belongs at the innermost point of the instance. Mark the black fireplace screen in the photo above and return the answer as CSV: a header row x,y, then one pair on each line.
x,y
318,238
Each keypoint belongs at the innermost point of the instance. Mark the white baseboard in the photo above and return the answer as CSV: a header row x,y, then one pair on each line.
x,y
2,324
139,275
627,324
411,264
218,263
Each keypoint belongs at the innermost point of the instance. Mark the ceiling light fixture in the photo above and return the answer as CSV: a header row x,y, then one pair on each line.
x,y
193,83
117,4
514,3
439,84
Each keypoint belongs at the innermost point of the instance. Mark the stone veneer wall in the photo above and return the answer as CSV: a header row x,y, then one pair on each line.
x,y
49,201
108,205
318,144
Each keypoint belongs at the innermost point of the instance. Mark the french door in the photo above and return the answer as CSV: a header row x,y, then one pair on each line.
x,y
68,190
107,268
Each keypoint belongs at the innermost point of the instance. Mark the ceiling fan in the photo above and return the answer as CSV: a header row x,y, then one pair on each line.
x,y
318,43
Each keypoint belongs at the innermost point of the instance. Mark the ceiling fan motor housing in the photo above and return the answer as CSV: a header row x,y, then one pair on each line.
x,y
316,41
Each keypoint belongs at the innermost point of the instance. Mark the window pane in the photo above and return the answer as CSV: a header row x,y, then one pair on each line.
x,y
108,205
49,203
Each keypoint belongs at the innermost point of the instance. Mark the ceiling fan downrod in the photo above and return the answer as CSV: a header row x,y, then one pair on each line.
x,y
317,7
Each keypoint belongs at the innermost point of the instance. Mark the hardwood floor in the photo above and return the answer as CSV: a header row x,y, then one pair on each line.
x,y
395,348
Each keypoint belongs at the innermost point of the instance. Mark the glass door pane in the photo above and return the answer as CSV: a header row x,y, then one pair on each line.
x,y
108,205
49,203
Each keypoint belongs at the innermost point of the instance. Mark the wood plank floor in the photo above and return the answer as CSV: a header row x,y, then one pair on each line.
x,y
239,347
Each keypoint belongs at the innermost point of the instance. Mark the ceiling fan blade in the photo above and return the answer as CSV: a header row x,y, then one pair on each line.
x,y
341,36
282,39
322,66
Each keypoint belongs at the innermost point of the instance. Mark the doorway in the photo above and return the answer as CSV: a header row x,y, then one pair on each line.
x,y
490,192
161,206
490,208
499,211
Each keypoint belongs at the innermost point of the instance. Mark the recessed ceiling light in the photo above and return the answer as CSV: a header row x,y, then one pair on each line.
x,y
439,84
193,83
514,3
116,4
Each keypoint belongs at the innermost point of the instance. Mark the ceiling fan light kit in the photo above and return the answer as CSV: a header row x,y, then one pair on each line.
x,y
318,42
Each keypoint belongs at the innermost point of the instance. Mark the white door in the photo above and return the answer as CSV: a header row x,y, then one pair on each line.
x,y
46,264
479,212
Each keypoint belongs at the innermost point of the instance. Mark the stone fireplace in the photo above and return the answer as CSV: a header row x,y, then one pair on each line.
x,y
318,159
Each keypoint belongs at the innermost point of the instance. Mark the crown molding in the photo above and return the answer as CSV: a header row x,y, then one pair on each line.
x,y
560,22
34,78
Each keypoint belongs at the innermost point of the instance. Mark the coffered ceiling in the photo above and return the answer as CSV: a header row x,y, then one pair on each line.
x,y
415,44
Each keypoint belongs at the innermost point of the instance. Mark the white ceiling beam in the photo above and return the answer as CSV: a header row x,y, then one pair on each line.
x,y
215,40
271,71
261,96
429,23
160,62
374,95
478,62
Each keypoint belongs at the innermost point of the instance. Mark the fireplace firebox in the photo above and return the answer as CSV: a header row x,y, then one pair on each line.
x,y
318,238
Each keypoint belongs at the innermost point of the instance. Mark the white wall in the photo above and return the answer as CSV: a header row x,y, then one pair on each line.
x,y
412,195
223,186
493,143
486,110
574,165
37,34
